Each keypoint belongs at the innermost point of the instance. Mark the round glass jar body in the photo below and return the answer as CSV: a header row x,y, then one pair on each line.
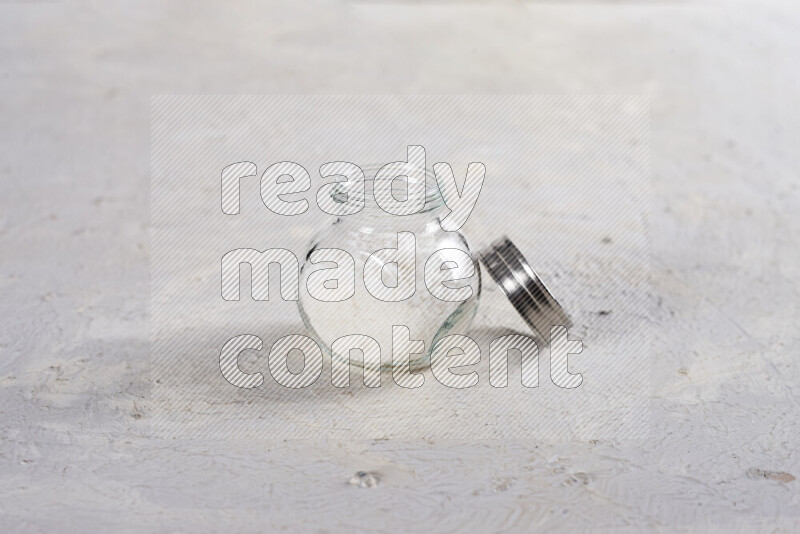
x,y
446,279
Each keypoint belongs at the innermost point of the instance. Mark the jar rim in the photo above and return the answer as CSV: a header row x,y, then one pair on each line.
x,y
433,196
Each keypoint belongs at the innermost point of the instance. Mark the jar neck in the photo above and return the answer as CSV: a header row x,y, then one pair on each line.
x,y
374,215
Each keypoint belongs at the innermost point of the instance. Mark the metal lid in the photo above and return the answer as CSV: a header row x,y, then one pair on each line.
x,y
526,291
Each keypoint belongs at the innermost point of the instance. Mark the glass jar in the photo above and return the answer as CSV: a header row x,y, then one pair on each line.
x,y
372,310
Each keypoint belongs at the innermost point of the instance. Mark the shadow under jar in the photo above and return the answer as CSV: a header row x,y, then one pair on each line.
x,y
440,265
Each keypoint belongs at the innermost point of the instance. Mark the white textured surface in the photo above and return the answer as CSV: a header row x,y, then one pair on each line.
x,y
76,83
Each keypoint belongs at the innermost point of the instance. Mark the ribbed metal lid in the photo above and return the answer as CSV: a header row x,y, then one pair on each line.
x,y
523,287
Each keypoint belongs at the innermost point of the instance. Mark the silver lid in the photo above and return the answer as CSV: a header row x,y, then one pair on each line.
x,y
523,287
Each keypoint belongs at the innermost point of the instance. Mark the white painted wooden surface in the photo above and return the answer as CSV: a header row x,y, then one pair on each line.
x,y
76,80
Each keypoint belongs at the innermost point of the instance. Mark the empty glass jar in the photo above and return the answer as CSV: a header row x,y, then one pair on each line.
x,y
443,273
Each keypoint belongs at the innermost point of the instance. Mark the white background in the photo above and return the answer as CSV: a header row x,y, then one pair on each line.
x,y
76,80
